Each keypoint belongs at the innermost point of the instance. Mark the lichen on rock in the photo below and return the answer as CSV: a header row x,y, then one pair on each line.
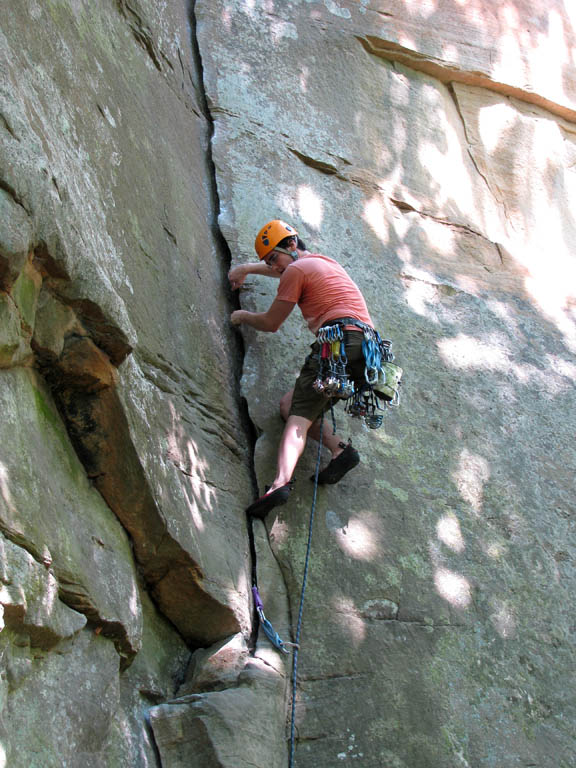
x,y
429,148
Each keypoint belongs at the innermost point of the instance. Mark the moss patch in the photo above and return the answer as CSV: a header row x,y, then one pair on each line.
x,y
25,294
49,415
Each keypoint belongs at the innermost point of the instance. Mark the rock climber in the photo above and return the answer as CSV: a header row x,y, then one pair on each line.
x,y
324,292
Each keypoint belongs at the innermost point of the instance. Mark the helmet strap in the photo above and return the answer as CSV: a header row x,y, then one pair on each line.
x,y
293,254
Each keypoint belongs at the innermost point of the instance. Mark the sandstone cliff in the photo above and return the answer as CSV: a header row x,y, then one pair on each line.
x,y
431,148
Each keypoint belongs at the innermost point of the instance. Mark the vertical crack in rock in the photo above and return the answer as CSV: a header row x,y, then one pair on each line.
x,y
222,245
226,689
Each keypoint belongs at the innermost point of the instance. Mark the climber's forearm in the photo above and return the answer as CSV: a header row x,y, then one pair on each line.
x,y
239,273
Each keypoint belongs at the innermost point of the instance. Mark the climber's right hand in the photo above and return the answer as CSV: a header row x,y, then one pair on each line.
x,y
237,275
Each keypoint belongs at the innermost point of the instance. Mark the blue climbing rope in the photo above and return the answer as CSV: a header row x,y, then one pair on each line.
x,y
301,608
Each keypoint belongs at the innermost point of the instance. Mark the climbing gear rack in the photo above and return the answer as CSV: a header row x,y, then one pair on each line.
x,y
332,379
364,405
382,376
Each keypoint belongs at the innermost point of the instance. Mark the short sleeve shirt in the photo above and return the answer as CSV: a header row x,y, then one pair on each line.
x,y
323,290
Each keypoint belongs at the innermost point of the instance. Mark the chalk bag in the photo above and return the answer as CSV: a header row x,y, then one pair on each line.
x,y
387,386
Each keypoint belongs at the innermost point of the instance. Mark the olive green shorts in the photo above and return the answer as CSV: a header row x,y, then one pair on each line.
x,y
308,403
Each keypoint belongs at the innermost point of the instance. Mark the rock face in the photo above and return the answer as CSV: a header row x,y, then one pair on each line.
x,y
125,463
430,148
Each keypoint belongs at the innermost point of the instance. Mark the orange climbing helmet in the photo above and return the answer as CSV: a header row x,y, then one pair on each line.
x,y
270,235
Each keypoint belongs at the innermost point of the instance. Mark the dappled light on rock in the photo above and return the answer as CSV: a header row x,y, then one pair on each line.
x,y
504,620
470,478
449,533
348,620
453,587
309,207
359,538
428,147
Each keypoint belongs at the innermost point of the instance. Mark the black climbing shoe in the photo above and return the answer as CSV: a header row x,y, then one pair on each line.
x,y
264,504
338,467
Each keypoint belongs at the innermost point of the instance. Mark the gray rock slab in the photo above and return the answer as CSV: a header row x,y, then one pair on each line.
x,y
450,533
57,706
49,508
235,728
15,237
29,599
74,706
111,166
153,676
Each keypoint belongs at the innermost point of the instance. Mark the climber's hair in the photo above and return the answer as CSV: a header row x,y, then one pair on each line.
x,y
300,243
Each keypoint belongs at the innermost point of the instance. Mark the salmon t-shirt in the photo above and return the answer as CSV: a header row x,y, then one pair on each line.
x,y
323,290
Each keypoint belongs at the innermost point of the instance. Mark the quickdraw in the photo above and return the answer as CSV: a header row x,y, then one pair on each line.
x,y
364,405
382,377
267,627
332,379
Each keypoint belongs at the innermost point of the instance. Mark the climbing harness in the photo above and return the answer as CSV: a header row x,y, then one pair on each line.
x,y
382,376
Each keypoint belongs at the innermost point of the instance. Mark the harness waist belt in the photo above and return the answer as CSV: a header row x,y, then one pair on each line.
x,y
347,321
